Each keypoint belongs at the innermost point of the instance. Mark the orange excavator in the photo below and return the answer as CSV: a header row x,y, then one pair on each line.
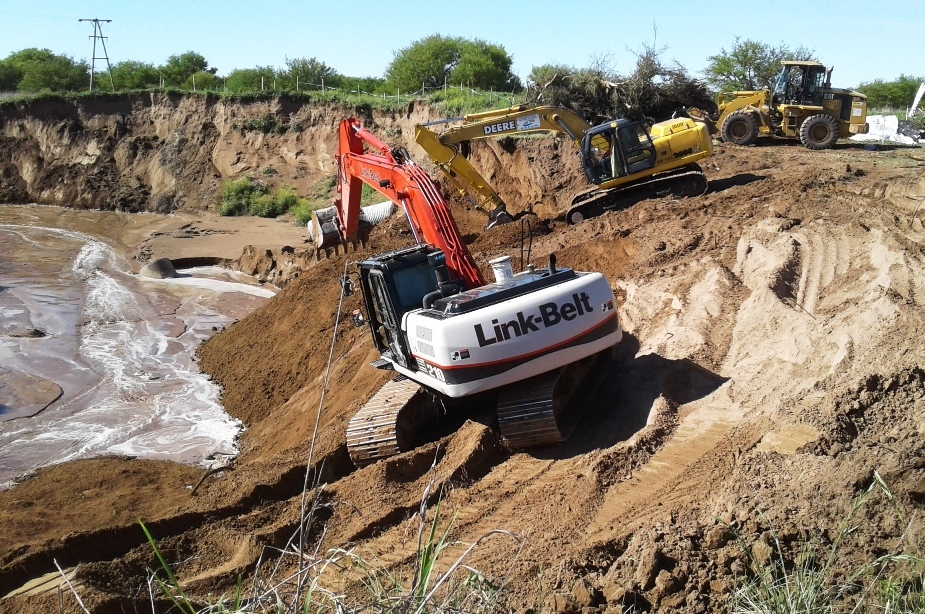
x,y
523,342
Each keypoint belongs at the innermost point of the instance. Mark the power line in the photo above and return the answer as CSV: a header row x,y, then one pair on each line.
x,y
98,34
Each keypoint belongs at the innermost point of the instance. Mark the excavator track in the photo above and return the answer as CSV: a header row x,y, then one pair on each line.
x,y
388,422
542,410
688,181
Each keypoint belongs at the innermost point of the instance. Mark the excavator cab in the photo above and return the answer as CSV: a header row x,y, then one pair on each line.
x,y
616,149
393,284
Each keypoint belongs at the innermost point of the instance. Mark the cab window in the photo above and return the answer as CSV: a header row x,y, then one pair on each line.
x,y
633,137
816,82
411,285
381,303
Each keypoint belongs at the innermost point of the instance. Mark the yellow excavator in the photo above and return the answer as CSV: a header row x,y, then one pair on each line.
x,y
803,105
623,159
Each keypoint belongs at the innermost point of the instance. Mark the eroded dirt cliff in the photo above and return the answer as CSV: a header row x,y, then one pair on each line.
x,y
163,152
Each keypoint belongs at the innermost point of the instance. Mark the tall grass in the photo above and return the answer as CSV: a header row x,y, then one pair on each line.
x,y
342,580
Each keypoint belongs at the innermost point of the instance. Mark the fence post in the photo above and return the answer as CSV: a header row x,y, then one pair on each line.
x,y
444,84
261,84
194,82
322,85
398,94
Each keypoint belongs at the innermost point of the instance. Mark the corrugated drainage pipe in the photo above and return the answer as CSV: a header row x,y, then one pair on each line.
x,y
371,215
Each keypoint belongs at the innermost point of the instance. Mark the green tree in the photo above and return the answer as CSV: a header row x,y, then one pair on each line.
x,y
43,70
436,59
179,68
132,75
750,65
547,74
429,61
371,85
895,94
10,76
307,73
485,66
247,80
204,81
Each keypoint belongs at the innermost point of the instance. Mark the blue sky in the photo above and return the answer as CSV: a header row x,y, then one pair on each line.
x,y
864,40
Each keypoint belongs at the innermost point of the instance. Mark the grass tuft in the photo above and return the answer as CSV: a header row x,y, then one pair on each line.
x,y
816,582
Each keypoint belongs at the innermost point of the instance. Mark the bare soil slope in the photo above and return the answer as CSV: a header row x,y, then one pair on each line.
x,y
771,364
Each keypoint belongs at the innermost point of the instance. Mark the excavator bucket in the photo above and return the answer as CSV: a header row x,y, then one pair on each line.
x,y
325,233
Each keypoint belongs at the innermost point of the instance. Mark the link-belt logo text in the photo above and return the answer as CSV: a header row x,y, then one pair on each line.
x,y
550,315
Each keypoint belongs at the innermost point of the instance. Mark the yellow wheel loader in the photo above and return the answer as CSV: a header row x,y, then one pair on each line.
x,y
803,105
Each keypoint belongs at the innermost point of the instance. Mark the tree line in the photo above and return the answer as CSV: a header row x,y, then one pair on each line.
x,y
436,62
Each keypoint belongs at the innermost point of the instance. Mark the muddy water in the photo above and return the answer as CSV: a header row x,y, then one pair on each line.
x,y
109,352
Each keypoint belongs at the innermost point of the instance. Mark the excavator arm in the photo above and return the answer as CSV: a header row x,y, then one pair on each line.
x,y
444,150
363,158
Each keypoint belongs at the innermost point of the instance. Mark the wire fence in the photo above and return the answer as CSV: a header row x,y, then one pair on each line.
x,y
275,85
273,88
488,98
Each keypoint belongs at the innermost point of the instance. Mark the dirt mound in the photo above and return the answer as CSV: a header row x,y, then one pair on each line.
x,y
768,369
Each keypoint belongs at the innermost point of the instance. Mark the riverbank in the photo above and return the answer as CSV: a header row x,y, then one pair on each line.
x,y
148,236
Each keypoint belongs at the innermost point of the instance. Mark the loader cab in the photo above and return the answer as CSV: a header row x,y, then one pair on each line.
x,y
394,284
616,149
800,83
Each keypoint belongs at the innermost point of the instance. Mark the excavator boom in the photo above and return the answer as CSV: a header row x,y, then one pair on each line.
x,y
363,158
444,148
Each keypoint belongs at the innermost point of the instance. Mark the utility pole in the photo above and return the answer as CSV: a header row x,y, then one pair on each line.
x,y
98,34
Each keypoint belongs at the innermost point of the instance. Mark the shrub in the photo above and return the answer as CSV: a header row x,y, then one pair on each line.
x,y
265,124
287,198
248,196
238,195
302,212
266,205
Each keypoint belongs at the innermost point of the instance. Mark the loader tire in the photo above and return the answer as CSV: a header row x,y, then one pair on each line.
x,y
740,128
819,132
